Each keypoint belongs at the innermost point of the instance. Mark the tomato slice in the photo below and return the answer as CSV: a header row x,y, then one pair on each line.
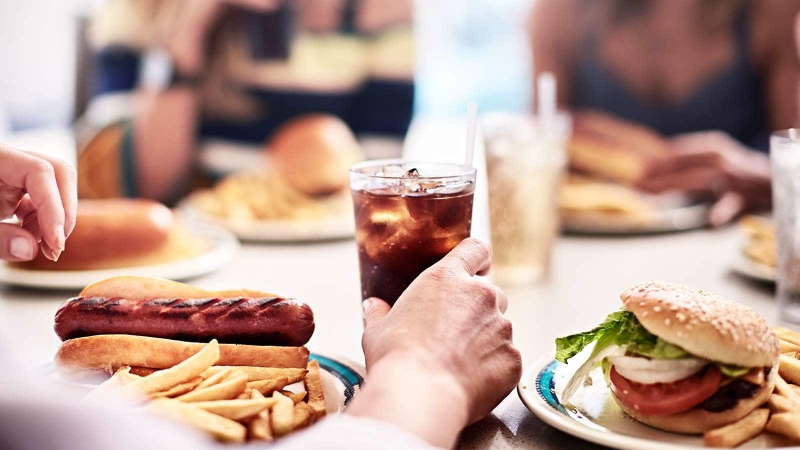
x,y
666,398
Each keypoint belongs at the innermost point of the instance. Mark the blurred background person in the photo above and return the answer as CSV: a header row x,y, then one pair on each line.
x,y
717,76
213,80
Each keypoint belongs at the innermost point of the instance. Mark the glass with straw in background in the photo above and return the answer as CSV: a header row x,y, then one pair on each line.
x,y
409,215
525,161
784,155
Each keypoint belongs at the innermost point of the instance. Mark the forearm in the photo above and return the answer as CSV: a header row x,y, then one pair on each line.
x,y
425,402
164,141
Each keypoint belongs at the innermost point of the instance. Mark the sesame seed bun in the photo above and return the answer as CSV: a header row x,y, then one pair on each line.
x,y
697,421
703,324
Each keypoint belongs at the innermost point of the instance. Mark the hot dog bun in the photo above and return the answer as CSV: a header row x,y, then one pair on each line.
x,y
86,358
166,309
122,233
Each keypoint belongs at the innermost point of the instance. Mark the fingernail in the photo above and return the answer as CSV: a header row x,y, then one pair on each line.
x,y
21,248
60,240
365,306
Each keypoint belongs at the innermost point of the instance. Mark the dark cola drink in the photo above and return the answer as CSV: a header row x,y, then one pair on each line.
x,y
407,220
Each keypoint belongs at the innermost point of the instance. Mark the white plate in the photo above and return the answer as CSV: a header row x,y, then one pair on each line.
x,y
662,221
745,266
595,417
341,379
223,249
742,265
326,229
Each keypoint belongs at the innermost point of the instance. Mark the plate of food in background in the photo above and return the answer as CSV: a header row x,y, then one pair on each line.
x,y
300,193
132,237
608,159
230,363
676,368
756,256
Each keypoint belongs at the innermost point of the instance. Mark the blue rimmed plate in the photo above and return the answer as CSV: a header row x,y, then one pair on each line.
x,y
341,379
593,415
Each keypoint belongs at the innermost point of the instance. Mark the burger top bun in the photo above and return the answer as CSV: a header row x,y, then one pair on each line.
x,y
314,153
704,324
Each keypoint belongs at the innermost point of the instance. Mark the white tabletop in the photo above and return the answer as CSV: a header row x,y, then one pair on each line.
x,y
587,277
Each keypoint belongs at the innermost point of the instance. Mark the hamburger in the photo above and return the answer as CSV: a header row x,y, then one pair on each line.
x,y
679,358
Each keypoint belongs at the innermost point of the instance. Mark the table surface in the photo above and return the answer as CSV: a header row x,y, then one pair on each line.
x,y
588,274
587,277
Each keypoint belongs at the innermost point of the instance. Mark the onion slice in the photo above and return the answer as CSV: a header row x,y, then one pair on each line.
x,y
651,371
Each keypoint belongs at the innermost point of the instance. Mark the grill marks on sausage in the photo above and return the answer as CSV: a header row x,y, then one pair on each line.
x,y
258,321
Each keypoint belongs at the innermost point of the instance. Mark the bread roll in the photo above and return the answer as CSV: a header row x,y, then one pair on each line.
x,y
314,153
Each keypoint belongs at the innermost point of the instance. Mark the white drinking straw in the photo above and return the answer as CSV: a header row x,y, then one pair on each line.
x,y
472,123
546,85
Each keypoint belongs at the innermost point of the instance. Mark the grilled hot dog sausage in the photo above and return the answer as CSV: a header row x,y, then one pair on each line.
x,y
254,321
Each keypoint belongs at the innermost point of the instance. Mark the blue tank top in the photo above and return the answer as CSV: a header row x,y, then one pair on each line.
x,y
732,102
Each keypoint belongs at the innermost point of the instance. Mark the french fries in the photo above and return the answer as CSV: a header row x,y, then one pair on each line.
x,y
267,387
786,424
789,369
237,409
263,373
259,429
225,430
231,403
296,397
181,373
227,389
738,432
282,415
316,396
179,389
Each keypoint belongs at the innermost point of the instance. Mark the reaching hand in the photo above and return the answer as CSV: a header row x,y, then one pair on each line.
x,y
714,164
42,192
447,330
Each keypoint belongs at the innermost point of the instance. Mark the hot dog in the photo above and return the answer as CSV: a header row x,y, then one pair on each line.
x,y
167,309
254,321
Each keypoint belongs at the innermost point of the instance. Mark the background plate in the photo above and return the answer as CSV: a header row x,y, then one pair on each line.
x,y
326,229
596,418
223,249
663,221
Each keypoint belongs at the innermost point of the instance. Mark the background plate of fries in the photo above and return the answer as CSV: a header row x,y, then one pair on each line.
x,y
231,403
261,206
595,417
756,255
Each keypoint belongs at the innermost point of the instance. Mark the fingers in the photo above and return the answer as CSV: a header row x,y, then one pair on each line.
x,y
727,208
37,177
502,300
471,255
67,181
374,309
16,244
694,180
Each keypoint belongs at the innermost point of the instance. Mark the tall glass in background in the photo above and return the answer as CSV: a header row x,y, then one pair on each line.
x,y
408,216
525,161
785,157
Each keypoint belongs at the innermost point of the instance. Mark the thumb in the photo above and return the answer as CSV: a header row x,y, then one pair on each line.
x,y
375,309
730,205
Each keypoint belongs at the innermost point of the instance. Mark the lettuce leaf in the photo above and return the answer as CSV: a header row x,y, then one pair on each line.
x,y
569,346
621,328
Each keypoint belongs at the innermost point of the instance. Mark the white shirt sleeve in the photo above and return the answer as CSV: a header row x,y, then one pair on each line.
x,y
345,432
